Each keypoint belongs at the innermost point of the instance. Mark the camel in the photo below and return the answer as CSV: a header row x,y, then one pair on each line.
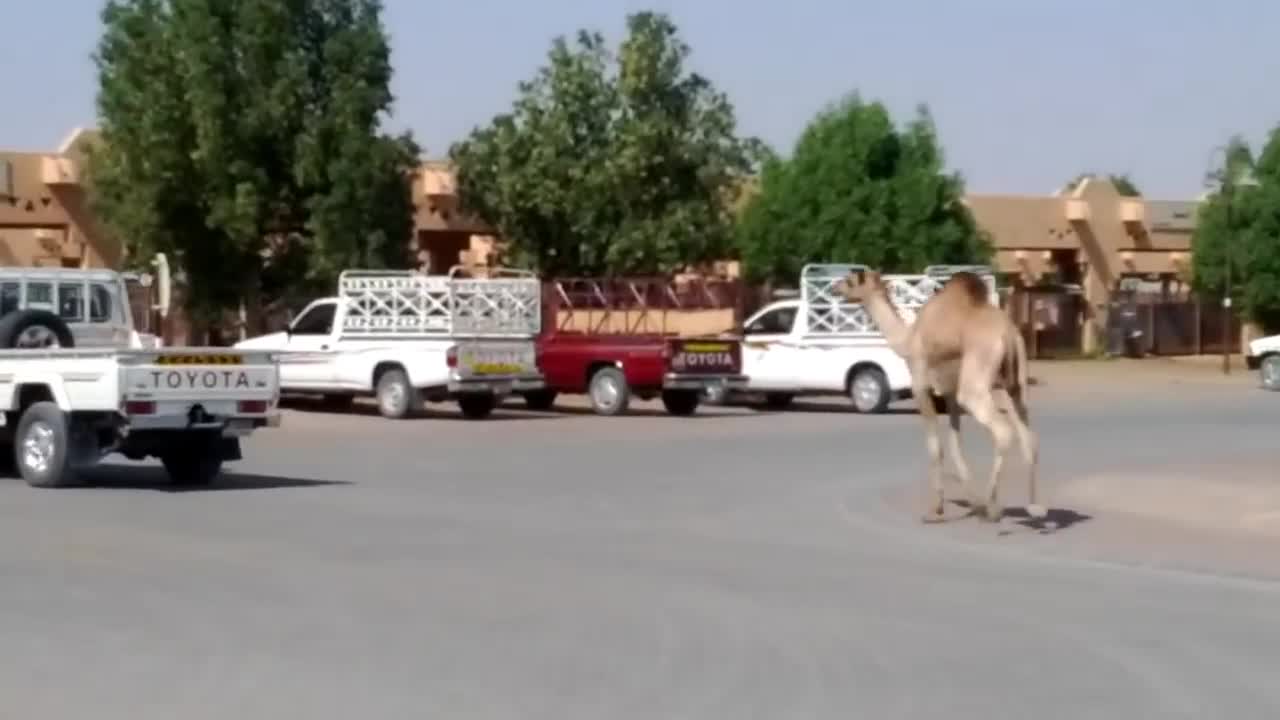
x,y
968,352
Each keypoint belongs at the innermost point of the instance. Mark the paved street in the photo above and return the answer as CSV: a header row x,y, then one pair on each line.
x,y
738,564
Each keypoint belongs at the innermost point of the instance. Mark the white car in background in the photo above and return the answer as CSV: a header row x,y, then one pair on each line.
x,y
1263,355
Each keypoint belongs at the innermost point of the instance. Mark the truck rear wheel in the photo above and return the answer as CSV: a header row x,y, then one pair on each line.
x,y
192,461
397,397
41,446
681,402
477,406
610,394
34,329
540,399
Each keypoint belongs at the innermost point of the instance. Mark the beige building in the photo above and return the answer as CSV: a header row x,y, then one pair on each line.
x,y
44,215
1092,238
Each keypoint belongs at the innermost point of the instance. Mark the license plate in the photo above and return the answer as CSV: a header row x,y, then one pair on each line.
x,y
494,362
200,360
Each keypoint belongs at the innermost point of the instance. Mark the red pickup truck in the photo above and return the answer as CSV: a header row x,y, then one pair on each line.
x,y
612,339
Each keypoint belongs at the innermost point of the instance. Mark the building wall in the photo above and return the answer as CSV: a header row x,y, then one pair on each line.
x,y
1092,231
44,213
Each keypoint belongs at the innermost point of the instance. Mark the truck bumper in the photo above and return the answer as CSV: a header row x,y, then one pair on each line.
x,y
233,426
679,381
1253,362
498,385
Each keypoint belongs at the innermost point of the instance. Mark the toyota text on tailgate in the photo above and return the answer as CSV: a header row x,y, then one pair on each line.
x,y
200,389
694,363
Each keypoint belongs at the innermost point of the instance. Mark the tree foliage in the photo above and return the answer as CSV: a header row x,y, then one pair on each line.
x,y
1125,185
609,164
858,189
1240,223
241,137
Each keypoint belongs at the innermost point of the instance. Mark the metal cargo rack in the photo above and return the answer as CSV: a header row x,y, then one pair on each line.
x,y
828,313
407,303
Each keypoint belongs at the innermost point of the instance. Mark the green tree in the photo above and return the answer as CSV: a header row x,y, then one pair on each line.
x,y
1124,184
858,189
241,137
1239,224
609,165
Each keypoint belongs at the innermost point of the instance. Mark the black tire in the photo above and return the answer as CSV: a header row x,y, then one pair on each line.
x,y
34,329
540,399
608,381
477,406
869,390
193,462
397,397
681,402
45,463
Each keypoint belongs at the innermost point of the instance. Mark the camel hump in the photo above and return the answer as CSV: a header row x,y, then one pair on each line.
x,y
971,286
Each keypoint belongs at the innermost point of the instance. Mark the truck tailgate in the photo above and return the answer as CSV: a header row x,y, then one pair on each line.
x,y
496,358
704,356
222,382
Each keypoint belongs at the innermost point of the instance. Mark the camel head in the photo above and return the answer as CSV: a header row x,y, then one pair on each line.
x,y
859,285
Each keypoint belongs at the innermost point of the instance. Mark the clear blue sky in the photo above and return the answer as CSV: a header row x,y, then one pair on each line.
x,y
1026,93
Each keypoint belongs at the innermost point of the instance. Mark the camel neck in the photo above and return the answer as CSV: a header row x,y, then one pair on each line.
x,y
889,321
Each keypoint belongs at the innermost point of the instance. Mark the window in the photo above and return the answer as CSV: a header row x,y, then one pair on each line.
x,y
40,296
101,301
316,321
778,321
10,297
71,302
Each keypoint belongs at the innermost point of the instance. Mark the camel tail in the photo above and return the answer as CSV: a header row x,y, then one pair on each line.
x,y
1017,377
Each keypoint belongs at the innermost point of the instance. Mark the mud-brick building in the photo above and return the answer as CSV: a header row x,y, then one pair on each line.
x,y
44,214
1069,255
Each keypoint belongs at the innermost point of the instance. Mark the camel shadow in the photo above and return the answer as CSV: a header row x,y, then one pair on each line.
x,y
1054,520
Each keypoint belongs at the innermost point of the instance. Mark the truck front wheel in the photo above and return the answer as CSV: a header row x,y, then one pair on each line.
x,y
477,406
41,446
869,390
680,402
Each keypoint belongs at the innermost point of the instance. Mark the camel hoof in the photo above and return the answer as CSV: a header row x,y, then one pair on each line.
x,y
1037,512
993,513
932,518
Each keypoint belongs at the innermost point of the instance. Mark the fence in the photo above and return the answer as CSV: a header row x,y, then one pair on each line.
x,y
1051,320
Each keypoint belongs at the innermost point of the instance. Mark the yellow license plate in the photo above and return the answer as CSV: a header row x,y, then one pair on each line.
x,y
200,360
495,368
700,347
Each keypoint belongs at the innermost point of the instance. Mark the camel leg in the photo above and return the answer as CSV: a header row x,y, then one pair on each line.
x,y
957,456
1019,418
929,414
977,398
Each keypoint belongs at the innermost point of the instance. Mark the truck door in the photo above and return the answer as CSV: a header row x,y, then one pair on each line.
x,y
767,356
308,358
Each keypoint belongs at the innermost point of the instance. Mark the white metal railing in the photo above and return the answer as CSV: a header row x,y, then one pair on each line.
x,y
829,313
407,303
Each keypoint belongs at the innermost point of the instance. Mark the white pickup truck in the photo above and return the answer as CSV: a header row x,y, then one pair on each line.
x,y
404,336
1264,356
77,383
820,344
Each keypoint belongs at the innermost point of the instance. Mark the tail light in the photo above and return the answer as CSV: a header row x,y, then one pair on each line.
x,y
139,407
451,356
666,350
252,407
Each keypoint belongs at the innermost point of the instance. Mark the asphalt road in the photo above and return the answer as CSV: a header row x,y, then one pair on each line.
x,y
733,565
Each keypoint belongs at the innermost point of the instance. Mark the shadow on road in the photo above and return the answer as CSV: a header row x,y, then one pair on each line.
x,y
431,411
701,413
124,477
1056,518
